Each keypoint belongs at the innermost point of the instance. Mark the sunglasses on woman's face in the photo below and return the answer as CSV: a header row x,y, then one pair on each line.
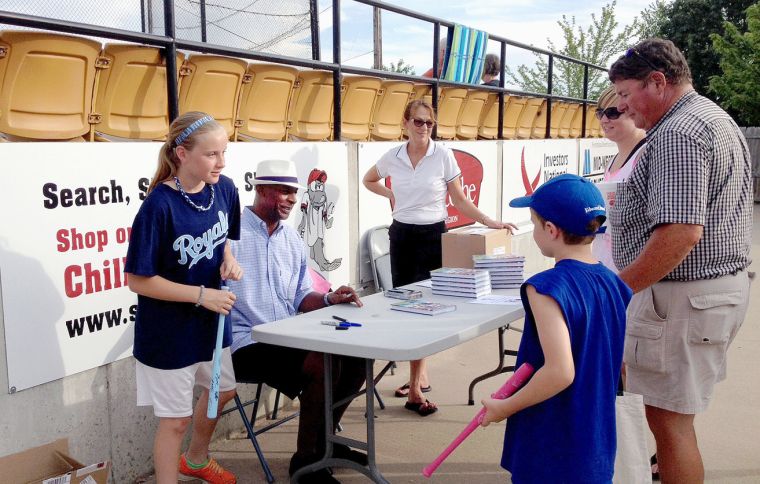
x,y
611,113
421,122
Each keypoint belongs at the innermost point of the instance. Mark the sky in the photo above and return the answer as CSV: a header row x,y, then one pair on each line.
x,y
527,21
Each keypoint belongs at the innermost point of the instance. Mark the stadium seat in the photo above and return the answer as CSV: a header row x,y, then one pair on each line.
x,y
389,110
450,103
489,117
423,91
46,85
538,130
596,127
469,115
590,118
512,110
577,123
211,84
567,120
264,102
311,111
559,108
131,97
357,101
527,117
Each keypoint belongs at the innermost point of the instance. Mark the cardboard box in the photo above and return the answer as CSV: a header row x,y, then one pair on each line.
x,y
460,245
51,464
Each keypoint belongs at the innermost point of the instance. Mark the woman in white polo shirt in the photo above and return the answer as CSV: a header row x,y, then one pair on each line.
x,y
422,174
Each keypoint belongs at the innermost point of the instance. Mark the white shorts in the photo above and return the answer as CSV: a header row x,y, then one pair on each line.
x,y
170,392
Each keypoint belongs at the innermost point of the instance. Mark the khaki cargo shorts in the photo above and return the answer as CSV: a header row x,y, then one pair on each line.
x,y
677,336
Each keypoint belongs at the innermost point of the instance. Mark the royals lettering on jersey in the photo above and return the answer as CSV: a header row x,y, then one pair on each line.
x,y
196,248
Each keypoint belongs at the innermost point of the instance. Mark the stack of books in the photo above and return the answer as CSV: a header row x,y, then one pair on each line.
x,y
422,307
457,281
506,270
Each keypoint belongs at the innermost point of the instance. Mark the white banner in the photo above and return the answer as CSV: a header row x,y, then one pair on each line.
x,y
66,212
67,209
529,163
595,155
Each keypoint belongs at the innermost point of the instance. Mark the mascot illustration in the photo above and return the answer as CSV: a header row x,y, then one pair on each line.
x,y
317,217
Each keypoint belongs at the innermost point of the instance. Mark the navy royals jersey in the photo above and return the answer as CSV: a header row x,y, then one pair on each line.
x,y
174,240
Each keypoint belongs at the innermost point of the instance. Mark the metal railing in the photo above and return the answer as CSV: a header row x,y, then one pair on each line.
x,y
170,44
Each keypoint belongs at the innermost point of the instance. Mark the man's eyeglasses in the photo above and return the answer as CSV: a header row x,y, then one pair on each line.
x,y
633,52
611,113
421,122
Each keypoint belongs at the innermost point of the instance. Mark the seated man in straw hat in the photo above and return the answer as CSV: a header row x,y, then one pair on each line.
x,y
272,291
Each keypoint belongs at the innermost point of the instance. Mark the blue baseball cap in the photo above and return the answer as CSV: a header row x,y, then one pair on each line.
x,y
568,201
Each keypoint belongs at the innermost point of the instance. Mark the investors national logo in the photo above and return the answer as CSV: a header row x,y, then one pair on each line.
x,y
530,186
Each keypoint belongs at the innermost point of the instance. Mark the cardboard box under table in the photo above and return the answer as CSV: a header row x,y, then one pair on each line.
x,y
458,246
51,464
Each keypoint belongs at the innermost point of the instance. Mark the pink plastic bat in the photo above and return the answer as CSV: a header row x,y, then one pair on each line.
x,y
518,378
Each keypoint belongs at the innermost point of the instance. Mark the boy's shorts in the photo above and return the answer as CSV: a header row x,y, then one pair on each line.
x,y
677,337
170,392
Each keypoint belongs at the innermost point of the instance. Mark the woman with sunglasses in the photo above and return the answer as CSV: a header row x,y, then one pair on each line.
x,y
630,140
422,173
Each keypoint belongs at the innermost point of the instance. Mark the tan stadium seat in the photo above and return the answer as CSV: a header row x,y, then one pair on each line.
x,y
357,101
512,111
590,118
489,117
46,85
264,102
538,130
469,115
565,124
211,84
577,123
528,117
131,99
596,126
423,91
559,108
311,111
450,102
389,110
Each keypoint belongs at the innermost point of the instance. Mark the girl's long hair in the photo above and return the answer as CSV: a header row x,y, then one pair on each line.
x,y
168,163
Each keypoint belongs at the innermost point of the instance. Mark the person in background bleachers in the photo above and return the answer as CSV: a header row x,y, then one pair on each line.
x,y
441,58
630,141
178,256
423,174
491,70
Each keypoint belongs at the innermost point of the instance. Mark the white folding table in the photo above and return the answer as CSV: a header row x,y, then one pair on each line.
x,y
385,334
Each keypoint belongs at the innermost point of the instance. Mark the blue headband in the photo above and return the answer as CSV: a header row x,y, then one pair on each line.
x,y
189,130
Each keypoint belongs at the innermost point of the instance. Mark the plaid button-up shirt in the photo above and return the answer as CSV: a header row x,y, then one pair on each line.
x,y
696,169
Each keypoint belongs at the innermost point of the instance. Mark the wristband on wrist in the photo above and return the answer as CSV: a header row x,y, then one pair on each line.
x,y
326,299
200,297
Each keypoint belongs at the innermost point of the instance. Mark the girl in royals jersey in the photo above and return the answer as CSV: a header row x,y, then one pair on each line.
x,y
177,258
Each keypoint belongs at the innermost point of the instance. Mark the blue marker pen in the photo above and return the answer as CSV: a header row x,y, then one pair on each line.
x,y
346,322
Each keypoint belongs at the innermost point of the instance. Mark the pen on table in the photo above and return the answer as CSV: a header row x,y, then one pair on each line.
x,y
336,325
345,321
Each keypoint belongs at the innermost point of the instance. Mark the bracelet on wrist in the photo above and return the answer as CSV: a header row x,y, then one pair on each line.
x,y
326,299
200,297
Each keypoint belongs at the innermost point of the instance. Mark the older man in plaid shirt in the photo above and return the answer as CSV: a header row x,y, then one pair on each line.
x,y
681,229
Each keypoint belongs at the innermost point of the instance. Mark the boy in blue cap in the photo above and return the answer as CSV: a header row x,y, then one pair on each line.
x,y
561,425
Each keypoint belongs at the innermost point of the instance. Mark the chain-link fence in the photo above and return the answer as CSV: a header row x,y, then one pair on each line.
x,y
272,26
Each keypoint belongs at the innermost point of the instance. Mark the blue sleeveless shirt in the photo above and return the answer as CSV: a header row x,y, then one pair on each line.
x,y
570,438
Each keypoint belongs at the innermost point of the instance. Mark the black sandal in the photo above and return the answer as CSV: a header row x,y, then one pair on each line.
x,y
653,462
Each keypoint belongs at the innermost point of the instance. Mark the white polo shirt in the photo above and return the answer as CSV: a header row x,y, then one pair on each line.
x,y
420,192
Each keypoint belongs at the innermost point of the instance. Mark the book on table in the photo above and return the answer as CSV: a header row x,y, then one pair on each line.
x,y
457,292
419,306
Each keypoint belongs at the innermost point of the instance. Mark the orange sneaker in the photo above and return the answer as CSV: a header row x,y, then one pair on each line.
x,y
211,473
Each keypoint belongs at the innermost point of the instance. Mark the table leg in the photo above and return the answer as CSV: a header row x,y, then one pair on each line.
x,y
500,368
371,470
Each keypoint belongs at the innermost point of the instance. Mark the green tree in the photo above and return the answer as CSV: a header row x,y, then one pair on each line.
x,y
738,54
653,18
401,67
689,24
596,44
